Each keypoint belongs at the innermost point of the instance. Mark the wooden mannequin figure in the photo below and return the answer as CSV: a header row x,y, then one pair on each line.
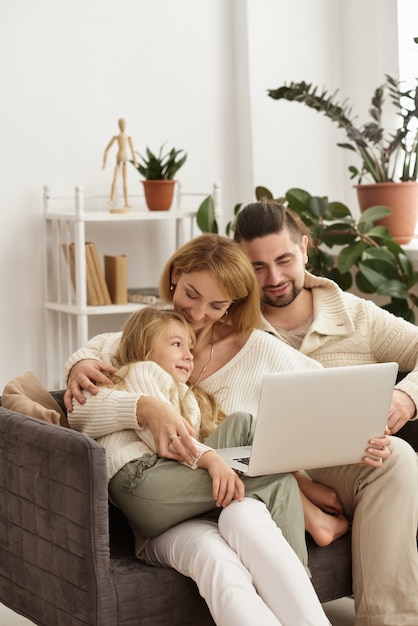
x,y
123,141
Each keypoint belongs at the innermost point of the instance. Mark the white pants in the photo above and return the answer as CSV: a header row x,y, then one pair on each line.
x,y
244,568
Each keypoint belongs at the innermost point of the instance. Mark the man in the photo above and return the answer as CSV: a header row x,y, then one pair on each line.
x,y
336,328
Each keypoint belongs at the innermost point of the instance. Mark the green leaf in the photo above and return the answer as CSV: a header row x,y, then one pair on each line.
x,y
298,199
374,213
383,256
338,234
378,232
230,227
394,289
394,247
338,210
205,216
363,284
349,256
262,193
318,206
374,277
344,280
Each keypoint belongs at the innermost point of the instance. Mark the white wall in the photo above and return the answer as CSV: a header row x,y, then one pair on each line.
x,y
337,45
194,74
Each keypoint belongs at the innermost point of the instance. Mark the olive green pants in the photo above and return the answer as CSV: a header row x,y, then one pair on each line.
x,y
156,497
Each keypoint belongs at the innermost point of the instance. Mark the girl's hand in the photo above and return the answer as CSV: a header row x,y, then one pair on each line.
x,y
226,484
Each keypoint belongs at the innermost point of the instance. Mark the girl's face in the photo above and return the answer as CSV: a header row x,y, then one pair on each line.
x,y
173,352
198,298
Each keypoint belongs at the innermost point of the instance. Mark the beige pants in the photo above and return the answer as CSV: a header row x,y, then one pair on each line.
x,y
383,504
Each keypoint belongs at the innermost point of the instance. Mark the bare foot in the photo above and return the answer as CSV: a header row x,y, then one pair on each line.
x,y
323,528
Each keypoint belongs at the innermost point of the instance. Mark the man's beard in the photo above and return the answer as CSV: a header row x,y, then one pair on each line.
x,y
281,301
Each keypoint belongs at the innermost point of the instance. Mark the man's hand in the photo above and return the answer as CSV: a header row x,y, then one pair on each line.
x,y
85,375
402,409
377,452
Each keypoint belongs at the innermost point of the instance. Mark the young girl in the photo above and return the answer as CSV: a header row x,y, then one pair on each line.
x,y
266,581
155,356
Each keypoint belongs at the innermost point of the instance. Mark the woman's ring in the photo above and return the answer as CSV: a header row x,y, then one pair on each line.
x,y
173,437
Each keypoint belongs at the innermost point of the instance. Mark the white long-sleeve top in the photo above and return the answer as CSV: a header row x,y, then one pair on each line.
x,y
118,432
237,385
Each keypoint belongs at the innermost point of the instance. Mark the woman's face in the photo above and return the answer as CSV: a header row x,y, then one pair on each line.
x,y
199,298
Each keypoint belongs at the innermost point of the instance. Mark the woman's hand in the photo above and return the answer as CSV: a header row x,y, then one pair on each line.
x,y
377,452
226,484
85,375
173,435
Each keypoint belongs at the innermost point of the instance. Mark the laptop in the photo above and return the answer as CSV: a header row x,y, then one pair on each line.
x,y
316,418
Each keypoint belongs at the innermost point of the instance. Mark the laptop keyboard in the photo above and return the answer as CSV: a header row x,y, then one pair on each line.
x,y
245,460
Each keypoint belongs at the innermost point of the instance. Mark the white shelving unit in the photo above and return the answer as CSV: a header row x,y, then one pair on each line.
x,y
66,218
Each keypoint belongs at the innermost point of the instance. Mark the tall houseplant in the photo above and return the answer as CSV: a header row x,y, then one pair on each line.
x,y
388,158
159,171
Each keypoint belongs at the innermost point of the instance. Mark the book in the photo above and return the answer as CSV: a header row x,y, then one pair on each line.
x,y
116,276
93,293
94,296
145,295
98,275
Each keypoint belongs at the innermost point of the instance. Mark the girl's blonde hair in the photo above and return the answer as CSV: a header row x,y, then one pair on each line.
x,y
138,339
231,269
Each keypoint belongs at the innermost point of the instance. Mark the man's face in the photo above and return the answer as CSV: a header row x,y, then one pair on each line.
x,y
279,264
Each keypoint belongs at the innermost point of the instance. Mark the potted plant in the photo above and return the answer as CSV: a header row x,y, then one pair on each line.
x,y
389,158
158,171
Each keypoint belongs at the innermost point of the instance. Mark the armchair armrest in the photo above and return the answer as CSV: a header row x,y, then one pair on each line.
x,y
54,527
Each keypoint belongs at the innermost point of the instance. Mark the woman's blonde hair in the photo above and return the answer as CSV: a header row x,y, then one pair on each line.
x,y
139,335
231,269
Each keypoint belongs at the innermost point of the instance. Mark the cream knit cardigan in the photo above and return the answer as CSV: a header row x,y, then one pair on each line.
x,y
348,330
121,436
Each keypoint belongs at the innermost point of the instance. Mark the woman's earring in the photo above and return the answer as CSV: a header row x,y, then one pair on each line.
x,y
171,287
226,312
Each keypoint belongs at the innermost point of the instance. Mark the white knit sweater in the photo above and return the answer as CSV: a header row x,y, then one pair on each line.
x,y
119,433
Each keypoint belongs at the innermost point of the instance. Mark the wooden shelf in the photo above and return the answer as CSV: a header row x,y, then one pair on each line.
x,y
66,311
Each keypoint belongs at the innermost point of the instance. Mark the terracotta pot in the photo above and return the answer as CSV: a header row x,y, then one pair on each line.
x,y
159,194
402,200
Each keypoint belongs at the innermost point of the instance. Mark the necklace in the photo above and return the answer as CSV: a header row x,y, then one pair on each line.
x,y
205,367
